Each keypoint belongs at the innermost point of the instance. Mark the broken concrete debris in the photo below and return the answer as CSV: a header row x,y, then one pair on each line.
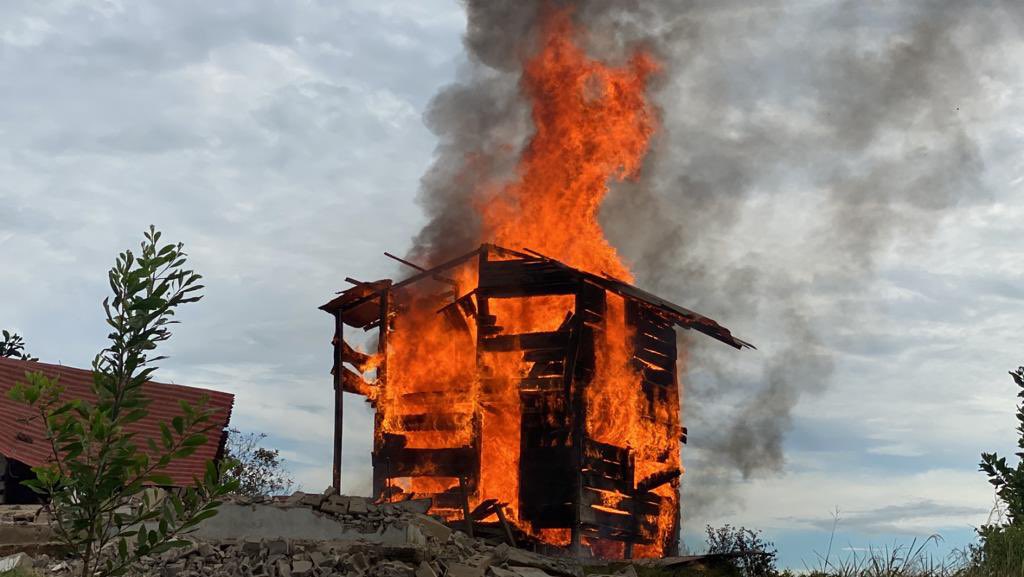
x,y
369,540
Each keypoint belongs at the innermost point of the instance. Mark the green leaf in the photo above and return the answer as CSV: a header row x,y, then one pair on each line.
x,y
160,479
165,433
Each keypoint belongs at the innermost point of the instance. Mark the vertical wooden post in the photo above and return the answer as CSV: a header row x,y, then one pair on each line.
x,y
465,505
483,322
590,311
634,523
381,474
577,391
339,393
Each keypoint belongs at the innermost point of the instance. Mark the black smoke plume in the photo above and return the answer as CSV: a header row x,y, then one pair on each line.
x,y
798,142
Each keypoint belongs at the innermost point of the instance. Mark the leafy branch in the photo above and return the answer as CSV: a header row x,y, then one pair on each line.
x,y
99,469
12,346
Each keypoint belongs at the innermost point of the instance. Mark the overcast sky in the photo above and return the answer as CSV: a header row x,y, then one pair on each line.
x,y
283,143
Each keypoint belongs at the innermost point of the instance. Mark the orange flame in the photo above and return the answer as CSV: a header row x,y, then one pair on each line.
x,y
592,124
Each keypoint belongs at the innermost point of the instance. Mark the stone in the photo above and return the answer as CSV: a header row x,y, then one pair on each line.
x,y
329,491
357,506
474,566
277,547
528,572
16,561
431,527
295,498
393,569
317,558
341,500
312,500
284,568
496,571
60,567
359,562
519,558
206,550
425,570
334,508
172,570
464,570
413,536
420,506
628,571
251,547
301,568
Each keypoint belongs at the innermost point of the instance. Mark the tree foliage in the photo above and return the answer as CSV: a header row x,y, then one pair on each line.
x,y
12,346
98,470
1009,481
752,555
259,471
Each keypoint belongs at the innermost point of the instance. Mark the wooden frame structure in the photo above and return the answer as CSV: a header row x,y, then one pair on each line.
x,y
564,473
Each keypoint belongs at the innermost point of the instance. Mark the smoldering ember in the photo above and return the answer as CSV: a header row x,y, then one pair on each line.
x,y
511,288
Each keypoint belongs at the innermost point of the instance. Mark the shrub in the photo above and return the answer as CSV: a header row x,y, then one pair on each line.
x,y
753,556
96,478
259,471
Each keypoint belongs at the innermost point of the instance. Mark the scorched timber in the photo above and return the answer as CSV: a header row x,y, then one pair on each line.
x,y
435,431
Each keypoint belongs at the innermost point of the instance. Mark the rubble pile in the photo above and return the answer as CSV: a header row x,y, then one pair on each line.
x,y
357,513
391,540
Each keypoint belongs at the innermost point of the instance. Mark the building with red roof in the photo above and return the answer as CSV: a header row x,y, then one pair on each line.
x,y
23,441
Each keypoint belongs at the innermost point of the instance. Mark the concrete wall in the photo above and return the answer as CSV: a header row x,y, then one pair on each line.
x,y
236,521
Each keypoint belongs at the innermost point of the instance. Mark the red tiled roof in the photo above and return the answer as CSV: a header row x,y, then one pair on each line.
x,y
15,434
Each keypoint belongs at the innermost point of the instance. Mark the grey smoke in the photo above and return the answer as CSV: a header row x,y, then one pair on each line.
x,y
798,142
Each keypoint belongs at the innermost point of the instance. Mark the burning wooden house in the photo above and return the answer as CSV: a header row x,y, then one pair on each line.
x,y
510,386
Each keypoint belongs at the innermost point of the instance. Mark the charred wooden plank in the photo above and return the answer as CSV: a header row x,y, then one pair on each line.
x,y
549,369
659,359
428,398
453,462
655,394
358,359
526,341
353,383
658,376
598,450
434,421
544,355
453,315
553,383
486,330
649,341
484,509
509,537
529,290
658,479
594,480
643,504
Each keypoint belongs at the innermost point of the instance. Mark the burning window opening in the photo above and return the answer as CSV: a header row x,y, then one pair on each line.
x,y
536,399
